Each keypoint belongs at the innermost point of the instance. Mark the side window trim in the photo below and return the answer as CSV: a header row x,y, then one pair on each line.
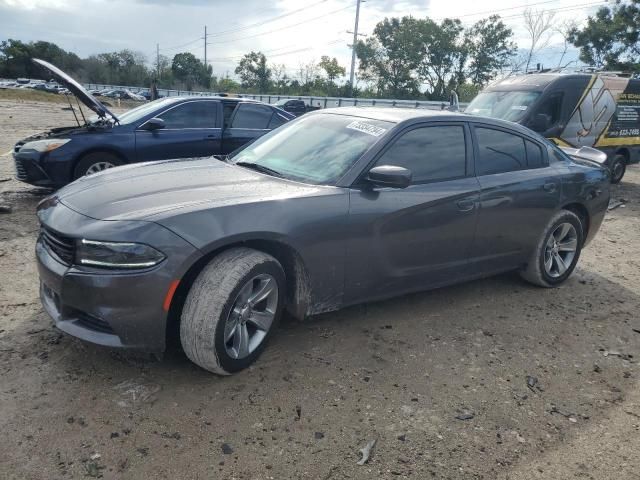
x,y
476,147
409,128
216,102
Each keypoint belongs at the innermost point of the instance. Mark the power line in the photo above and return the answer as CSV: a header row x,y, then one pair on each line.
x,y
296,50
181,46
268,20
283,28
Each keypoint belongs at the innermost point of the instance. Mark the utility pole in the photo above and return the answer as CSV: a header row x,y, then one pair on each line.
x,y
205,46
353,47
158,61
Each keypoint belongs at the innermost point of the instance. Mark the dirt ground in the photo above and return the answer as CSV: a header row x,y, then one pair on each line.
x,y
439,379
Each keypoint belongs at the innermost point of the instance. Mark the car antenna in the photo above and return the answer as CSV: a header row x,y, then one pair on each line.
x,y
73,110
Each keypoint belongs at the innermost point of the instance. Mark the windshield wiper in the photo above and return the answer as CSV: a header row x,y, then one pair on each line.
x,y
259,168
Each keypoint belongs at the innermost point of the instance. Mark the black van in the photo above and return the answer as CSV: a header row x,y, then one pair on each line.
x,y
573,109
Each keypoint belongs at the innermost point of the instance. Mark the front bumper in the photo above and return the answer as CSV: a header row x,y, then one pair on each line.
x,y
28,170
115,309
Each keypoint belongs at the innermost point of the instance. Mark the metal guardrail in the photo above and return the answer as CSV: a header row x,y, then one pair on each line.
x,y
322,102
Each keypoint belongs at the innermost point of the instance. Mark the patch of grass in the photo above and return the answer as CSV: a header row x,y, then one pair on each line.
x,y
30,95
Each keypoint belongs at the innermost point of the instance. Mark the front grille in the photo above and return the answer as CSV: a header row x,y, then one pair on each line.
x,y
93,323
21,172
61,246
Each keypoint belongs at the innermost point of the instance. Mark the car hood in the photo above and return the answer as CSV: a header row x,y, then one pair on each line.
x,y
78,90
150,191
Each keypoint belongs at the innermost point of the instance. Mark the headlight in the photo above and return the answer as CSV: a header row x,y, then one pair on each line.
x,y
46,145
116,254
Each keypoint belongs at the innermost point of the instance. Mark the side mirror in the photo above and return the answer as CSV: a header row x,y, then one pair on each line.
x,y
390,176
154,124
541,122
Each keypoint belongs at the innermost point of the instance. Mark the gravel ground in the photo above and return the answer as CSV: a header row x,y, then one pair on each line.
x,y
439,379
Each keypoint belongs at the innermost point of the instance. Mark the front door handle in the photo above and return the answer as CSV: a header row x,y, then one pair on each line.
x,y
550,187
465,205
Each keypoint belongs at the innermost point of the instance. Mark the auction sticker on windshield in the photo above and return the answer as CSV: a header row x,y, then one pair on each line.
x,y
366,128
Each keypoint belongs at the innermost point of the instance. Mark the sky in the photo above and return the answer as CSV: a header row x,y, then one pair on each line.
x,y
289,32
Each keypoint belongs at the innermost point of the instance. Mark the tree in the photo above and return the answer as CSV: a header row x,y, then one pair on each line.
x,y
332,68
254,72
442,48
280,78
390,57
490,49
565,30
188,69
611,39
539,26
307,72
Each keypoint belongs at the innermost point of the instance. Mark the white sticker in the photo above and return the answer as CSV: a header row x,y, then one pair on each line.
x,y
518,107
366,128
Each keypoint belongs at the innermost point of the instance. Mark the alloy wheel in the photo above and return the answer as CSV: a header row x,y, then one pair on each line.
x,y
560,250
251,316
99,167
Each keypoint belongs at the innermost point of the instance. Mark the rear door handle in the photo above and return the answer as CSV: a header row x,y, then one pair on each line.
x,y
465,205
550,187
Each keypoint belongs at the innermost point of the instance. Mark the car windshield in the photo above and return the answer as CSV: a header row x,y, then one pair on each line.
x,y
318,149
510,106
137,113
281,102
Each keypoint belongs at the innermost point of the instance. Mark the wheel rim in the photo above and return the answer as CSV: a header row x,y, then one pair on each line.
x,y
251,316
99,167
618,170
560,250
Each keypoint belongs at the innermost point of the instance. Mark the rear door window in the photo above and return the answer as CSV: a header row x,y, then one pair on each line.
x,y
431,153
202,114
499,152
252,116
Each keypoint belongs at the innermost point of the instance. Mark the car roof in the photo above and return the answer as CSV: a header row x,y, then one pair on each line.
x,y
214,97
391,114
409,115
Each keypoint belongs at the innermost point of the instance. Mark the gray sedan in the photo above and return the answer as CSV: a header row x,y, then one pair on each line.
x,y
335,208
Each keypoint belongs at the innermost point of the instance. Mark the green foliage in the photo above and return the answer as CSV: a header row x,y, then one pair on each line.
x,y
15,58
611,38
404,54
331,67
490,49
190,71
391,56
254,72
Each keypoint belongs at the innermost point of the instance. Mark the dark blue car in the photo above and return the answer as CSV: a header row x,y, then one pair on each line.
x,y
177,127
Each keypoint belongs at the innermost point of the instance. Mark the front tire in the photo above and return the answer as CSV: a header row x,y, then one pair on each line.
x,y
94,163
231,310
557,251
618,168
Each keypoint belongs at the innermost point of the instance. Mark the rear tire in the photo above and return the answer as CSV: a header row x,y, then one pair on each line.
x,y
95,162
618,168
552,261
218,326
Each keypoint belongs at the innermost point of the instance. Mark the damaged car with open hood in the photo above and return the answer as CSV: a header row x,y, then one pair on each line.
x,y
175,127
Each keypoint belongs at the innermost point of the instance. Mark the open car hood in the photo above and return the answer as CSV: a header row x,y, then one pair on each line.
x,y
77,89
